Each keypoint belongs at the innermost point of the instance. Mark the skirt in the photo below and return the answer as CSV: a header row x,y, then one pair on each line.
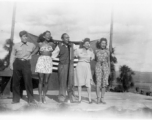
x,y
83,75
44,65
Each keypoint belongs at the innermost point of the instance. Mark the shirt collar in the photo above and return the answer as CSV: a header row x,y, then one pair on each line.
x,y
64,44
24,43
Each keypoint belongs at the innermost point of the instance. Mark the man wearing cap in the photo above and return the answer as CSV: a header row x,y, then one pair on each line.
x,y
20,64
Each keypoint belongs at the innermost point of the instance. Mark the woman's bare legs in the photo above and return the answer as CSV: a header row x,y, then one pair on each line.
x,y
45,89
79,92
103,90
41,78
98,94
89,94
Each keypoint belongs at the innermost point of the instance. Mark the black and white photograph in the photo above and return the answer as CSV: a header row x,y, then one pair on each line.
x,y
76,59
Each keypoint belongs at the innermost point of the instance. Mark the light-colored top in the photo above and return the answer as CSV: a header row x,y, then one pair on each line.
x,y
22,51
84,55
46,47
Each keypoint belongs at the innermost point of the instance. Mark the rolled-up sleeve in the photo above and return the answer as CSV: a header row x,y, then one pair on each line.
x,y
76,53
75,47
55,53
33,47
92,55
12,57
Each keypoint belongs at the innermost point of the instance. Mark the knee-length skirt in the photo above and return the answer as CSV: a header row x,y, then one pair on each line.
x,y
44,65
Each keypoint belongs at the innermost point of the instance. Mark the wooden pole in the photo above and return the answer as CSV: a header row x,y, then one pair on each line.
x,y
110,46
13,22
111,32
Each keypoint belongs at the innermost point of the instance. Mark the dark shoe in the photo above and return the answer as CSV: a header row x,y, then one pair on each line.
x,y
79,101
103,102
90,102
44,100
33,103
73,94
60,101
71,101
15,102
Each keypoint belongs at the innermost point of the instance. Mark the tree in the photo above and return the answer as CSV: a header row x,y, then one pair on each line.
x,y
5,61
113,61
125,78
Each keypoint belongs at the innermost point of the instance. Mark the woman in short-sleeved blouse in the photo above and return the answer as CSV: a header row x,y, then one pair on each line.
x,y
83,76
102,69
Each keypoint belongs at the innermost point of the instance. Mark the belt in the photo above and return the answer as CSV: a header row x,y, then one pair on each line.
x,y
84,61
22,59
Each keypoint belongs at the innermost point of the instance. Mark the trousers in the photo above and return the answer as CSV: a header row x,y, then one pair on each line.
x,y
65,84
22,69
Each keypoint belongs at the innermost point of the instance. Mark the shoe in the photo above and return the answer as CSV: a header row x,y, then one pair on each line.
x,y
71,100
61,99
40,102
40,99
61,102
90,102
79,101
33,103
44,100
15,102
73,94
102,101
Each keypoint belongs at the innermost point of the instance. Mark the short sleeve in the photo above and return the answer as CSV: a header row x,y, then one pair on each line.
x,y
95,55
75,47
92,55
76,53
33,46
13,53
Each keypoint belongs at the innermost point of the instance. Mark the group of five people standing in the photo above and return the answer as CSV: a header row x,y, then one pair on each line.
x,y
20,64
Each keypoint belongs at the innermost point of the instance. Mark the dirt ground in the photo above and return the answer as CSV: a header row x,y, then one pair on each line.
x,y
118,105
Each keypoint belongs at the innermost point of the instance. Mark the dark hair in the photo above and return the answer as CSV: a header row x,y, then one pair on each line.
x,y
62,36
22,33
86,40
98,44
41,37
83,42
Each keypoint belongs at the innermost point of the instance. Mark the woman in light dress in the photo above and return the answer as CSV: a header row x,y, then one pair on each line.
x,y
102,69
83,76
44,63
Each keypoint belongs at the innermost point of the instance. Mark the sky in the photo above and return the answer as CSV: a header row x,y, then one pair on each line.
x,y
132,24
